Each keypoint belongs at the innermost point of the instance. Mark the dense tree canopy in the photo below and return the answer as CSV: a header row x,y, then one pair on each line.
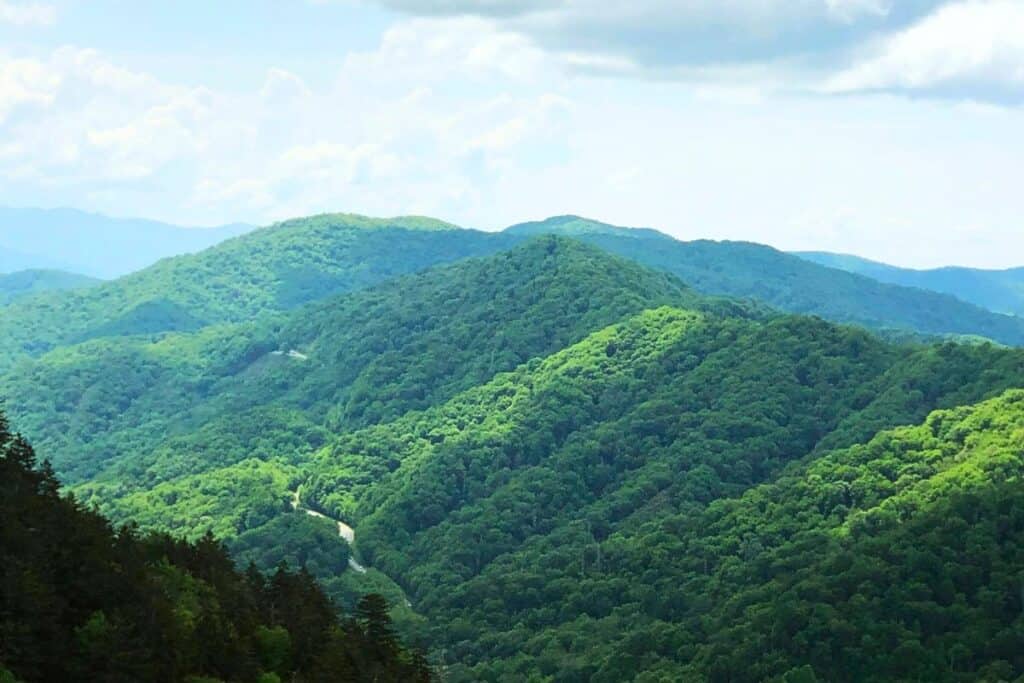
x,y
554,464
80,601
790,283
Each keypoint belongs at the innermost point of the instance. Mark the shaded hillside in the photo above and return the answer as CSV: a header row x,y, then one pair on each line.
x,y
81,601
1001,291
790,283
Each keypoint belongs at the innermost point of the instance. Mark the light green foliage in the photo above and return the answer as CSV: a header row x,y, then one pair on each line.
x,y
223,501
147,411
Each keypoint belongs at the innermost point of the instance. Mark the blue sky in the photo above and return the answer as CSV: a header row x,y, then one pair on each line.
x,y
889,128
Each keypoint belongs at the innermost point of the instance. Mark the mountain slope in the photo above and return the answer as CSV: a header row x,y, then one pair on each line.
x,y
1001,291
509,513
97,245
25,282
894,560
83,602
271,269
346,362
521,441
789,283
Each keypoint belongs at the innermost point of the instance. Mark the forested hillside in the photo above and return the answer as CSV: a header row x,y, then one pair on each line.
x,y
276,268
260,389
1001,291
25,282
790,283
556,463
284,266
80,601
534,520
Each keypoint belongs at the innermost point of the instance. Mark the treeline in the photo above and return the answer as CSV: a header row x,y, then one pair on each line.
x,y
80,601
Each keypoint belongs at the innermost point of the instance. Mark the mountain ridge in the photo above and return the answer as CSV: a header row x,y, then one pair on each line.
x,y
793,284
1000,290
97,245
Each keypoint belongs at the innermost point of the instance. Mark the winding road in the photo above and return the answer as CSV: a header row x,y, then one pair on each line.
x,y
344,530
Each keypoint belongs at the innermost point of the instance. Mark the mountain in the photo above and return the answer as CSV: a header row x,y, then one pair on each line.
x,y
81,601
12,261
556,463
207,431
539,521
346,361
96,245
1001,291
789,283
283,266
519,441
271,269
24,282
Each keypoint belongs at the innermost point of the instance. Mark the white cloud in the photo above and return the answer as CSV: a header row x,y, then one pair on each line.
x,y
438,112
964,45
933,47
468,47
469,120
670,33
281,85
851,10
27,14
25,82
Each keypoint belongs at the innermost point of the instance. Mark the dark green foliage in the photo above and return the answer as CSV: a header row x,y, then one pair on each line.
x,y
297,540
79,601
790,283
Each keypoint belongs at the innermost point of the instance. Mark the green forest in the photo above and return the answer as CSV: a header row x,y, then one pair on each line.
x,y
83,601
342,448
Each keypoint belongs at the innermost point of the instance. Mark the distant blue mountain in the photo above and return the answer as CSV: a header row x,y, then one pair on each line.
x,y
96,245
1001,291
25,282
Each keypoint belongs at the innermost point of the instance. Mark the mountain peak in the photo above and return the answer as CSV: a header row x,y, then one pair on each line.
x,y
354,220
571,225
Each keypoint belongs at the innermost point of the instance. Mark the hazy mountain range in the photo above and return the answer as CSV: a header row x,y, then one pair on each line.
x,y
95,245
1001,291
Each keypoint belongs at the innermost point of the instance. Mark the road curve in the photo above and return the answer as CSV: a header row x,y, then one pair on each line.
x,y
344,530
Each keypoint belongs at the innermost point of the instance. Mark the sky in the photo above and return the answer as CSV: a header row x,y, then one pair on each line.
x,y
892,129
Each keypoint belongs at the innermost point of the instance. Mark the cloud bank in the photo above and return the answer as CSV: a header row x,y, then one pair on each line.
x,y
925,47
